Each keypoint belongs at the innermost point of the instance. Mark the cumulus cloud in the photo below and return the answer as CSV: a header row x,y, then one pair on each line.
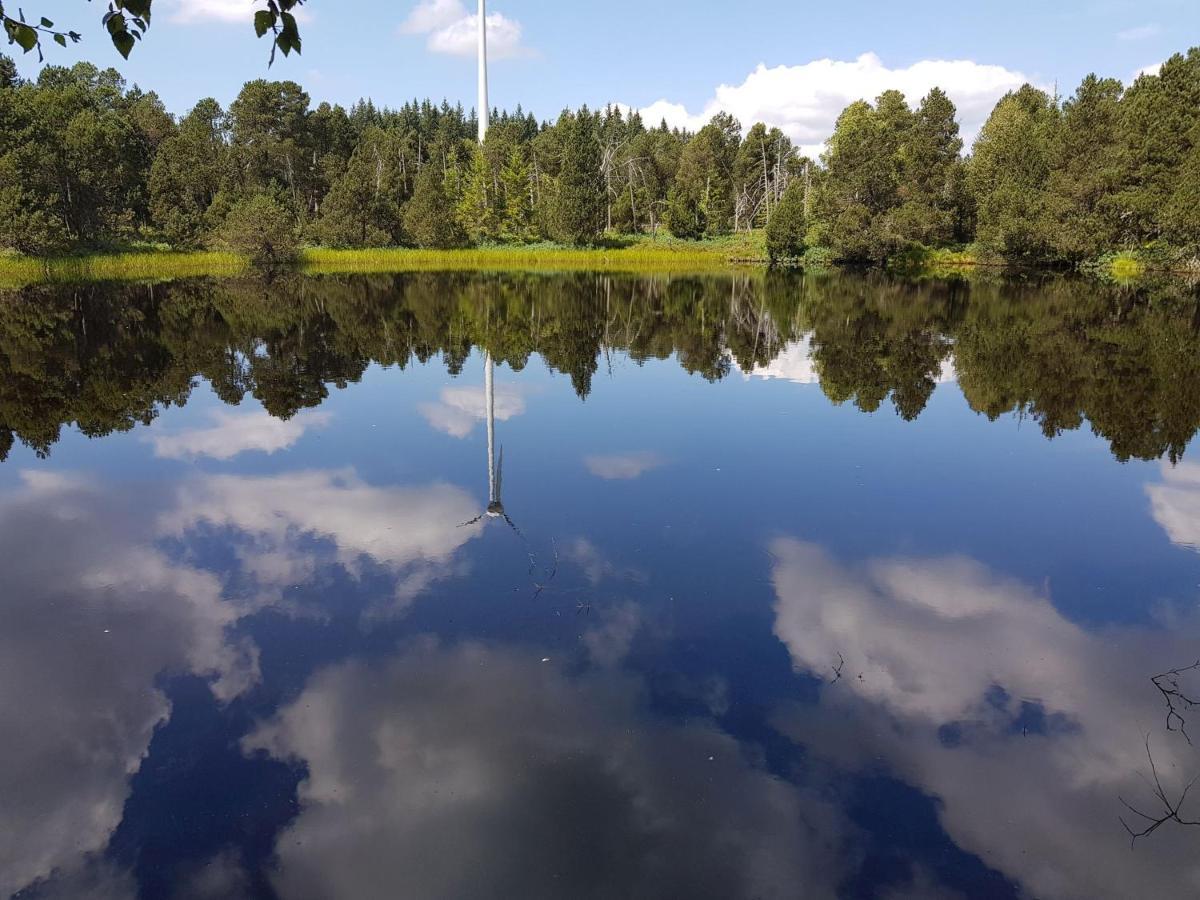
x,y
191,12
413,532
976,690
1175,503
94,616
460,409
623,466
804,101
546,785
1147,70
450,28
234,433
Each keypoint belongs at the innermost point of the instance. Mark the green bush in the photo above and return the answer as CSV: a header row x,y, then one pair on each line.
x,y
261,229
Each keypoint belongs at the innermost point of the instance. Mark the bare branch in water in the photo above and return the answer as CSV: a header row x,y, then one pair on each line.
x,y
1170,812
1176,699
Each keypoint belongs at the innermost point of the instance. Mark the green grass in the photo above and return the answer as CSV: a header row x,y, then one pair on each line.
x,y
636,254
18,271
1126,266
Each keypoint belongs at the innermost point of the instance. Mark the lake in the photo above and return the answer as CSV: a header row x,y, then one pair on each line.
x,y
590,586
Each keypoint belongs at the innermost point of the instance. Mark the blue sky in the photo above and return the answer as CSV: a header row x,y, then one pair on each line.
x,y
670,56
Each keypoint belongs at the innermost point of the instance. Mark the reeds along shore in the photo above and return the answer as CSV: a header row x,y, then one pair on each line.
x,y
668,256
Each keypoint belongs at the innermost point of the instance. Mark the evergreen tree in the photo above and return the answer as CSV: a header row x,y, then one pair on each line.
x,y
186,174
1085,172
1009,171
787,230
476,208
929,211
1159,115
429,216
702,201
518,222
362,208
577,210
861,187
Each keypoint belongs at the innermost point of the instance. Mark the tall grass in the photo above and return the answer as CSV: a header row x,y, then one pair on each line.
x,y
665,255
674,257
17,271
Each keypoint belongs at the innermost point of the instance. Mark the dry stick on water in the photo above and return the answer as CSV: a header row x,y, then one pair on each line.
x,y
552,572
1168,685
1171,810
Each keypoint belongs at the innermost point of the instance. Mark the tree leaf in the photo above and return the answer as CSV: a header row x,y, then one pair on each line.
x,y
46,23
61,40
263,20
123,41
25,36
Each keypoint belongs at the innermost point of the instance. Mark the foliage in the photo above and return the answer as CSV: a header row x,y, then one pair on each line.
x,y
262,230
429,218
1061,353
88,164
126,22
577,204
788,226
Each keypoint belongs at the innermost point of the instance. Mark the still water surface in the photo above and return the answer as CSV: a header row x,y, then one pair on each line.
x,y
747,587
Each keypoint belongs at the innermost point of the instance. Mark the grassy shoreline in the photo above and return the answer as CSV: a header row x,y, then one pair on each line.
x,y
665,255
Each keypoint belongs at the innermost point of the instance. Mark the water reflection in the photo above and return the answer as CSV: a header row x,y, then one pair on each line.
x,y
748,643
1061,352
94,615
1028,728
544,785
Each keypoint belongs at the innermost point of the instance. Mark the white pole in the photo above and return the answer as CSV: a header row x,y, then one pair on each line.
x,y
483,74
489,392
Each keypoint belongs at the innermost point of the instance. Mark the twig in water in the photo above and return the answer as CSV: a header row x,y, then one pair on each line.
x,y
1175,698
1172,810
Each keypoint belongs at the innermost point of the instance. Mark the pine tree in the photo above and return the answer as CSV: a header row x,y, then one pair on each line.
x,y
930,158
1085,172
577,211
1009,171
787,230
362,208
702,201
429,216
1159,114
476,210
518,223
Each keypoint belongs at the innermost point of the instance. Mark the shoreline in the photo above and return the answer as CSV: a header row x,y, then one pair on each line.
x,y
734,253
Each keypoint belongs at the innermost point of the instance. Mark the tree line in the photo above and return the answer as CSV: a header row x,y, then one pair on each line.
x,y
104,358
86,162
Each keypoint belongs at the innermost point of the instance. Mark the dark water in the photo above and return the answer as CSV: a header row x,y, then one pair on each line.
x,y
768,587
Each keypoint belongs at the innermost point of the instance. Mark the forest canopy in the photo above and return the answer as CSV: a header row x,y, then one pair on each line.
x,y
88,162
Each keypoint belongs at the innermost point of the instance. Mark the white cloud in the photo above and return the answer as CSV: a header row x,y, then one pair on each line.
x,y
234,433
1147,70
94,614
1175,503
460,409
545,784
930,645
451,28
805,100
413,532
623,466
1140,32
191,12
